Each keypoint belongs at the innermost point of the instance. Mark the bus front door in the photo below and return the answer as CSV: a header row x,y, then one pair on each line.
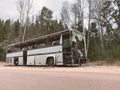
x,y
25,57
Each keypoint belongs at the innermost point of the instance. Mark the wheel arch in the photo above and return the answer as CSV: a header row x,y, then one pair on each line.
x,y
49,57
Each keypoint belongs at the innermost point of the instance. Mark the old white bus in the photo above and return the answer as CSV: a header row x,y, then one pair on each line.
x,y
60,48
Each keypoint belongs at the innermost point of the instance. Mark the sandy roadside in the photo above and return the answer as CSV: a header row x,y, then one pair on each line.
x,y
60,78
2,63
92,69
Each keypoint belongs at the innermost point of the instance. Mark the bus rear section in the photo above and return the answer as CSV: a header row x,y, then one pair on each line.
x,y
14,58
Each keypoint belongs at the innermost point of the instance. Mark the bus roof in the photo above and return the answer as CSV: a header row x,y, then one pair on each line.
x,y
38,38
56,34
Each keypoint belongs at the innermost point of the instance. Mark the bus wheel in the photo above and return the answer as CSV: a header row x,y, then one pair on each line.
x,y
50,61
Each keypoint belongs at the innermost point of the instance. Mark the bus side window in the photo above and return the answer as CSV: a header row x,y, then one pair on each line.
x,y
42,45
9,51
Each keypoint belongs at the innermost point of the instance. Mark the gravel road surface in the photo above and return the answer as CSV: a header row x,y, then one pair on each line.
x,y
59,78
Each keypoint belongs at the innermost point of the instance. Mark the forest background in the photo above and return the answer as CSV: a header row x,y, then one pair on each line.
x,y
102,29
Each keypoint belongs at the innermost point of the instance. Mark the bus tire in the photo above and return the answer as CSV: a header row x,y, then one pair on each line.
x,y
50,61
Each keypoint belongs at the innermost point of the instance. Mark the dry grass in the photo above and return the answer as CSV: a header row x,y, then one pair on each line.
x,y
105,63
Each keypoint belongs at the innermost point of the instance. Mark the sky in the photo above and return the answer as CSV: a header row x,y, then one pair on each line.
x,y
8,8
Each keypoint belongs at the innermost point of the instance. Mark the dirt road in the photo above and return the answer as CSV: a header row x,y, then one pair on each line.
x,y
58,78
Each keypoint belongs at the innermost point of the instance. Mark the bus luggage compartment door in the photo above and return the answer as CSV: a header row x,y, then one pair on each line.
x,y
20,61
30,60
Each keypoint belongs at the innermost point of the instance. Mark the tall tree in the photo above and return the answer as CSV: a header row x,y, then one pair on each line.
x,y
77,10
28,9
89,25
106,15
65,14
21,11
96,6
7,28
24,8
16,28
1,31
45,19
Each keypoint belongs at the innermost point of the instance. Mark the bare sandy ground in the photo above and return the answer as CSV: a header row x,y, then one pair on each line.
x,y
97,69
59,78
2,63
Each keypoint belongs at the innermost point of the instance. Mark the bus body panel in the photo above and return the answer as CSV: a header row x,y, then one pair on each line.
x,y
42,59
30,60
10,61
41,55
59,59
20,62
16,54
46,50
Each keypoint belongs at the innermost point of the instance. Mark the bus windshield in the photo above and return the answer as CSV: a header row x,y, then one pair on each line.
x,y
77,35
